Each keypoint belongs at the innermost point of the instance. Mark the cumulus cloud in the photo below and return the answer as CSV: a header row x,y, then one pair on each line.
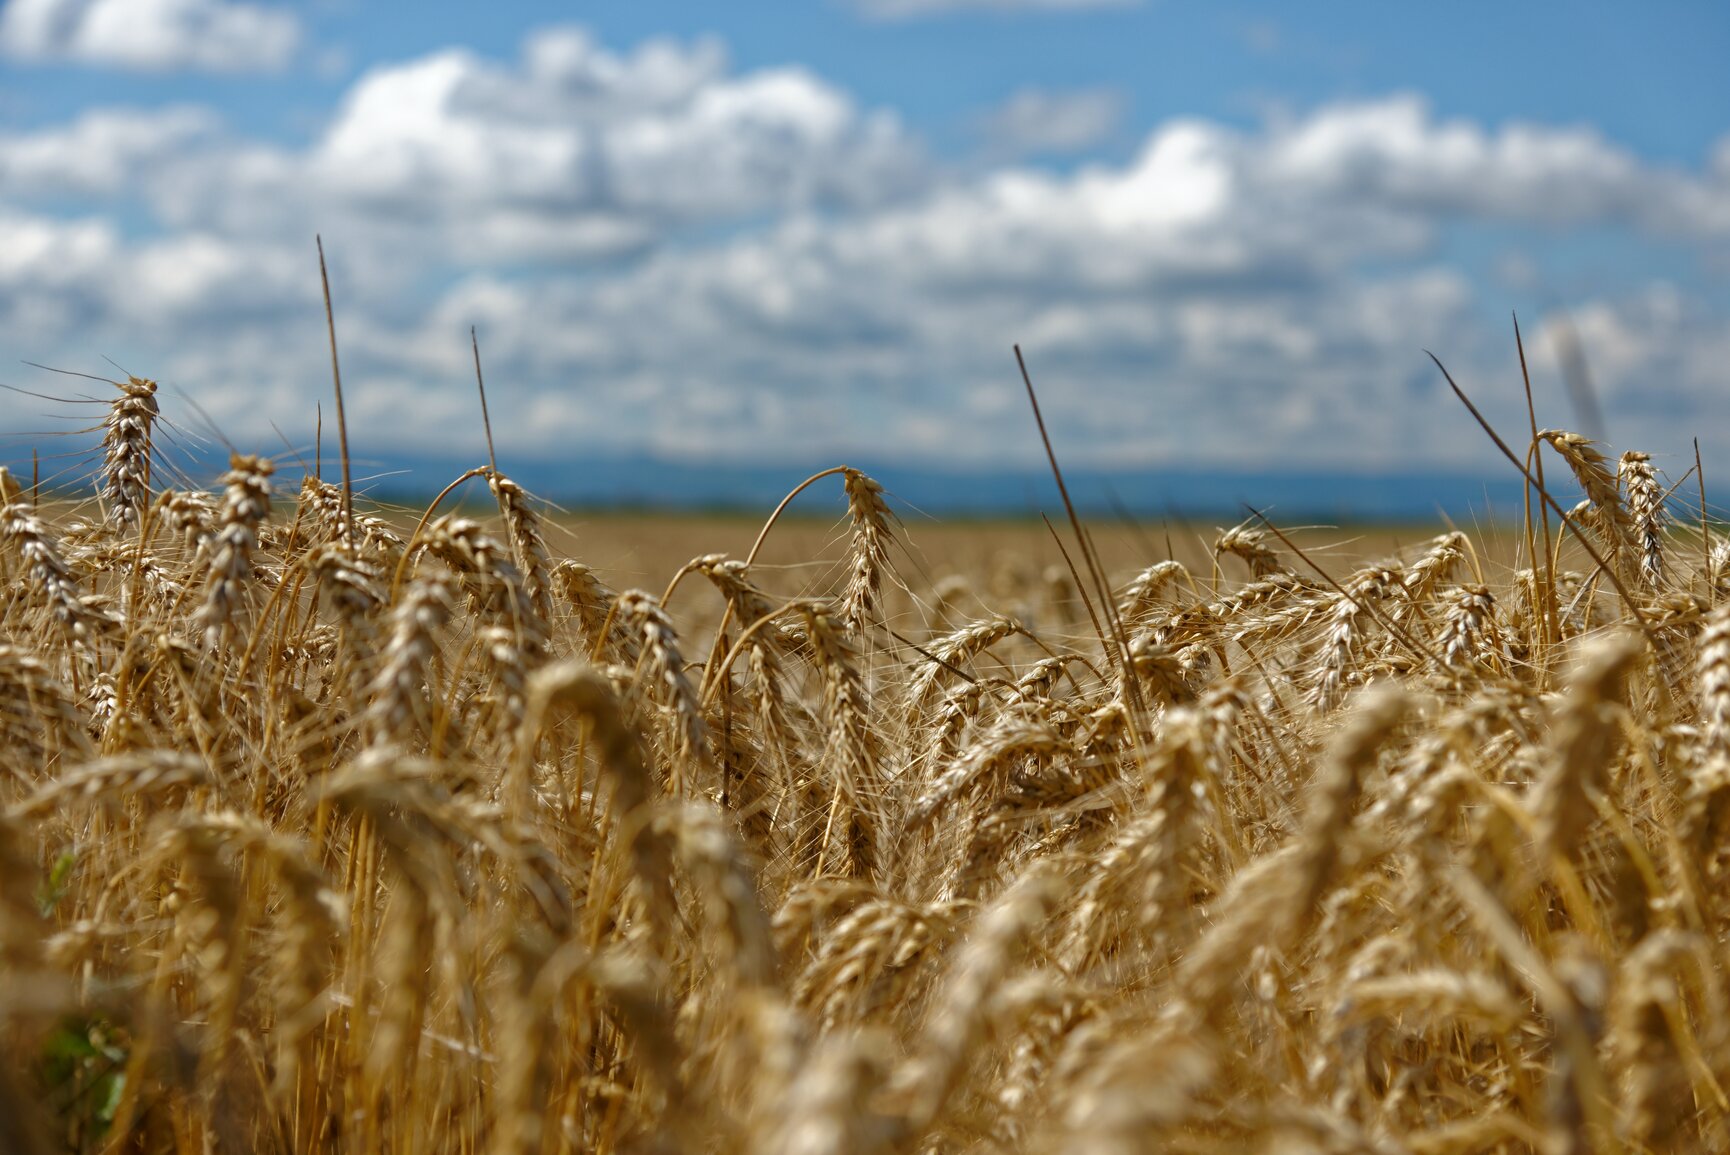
x,y
104,153
1205,304
1655,354
81,279
1394,152
665,134
151,35
665,254
570,153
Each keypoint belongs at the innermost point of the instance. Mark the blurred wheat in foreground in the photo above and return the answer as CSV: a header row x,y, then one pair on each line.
x,y
326,831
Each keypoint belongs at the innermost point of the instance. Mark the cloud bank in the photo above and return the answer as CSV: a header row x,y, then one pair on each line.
x,y
664,254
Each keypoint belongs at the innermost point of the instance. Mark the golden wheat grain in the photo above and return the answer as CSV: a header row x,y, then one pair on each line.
x,y
126,448
872,534
1645,501
245,504
310,841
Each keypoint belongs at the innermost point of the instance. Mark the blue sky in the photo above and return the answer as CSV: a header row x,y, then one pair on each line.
x,y
810,231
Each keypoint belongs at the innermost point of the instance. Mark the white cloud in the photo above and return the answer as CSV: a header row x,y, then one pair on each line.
x,y
94,284
808,343
104,153
1394,152
662,253
572,153
1201,303
917,9
152,35
665,133
1034,121
1656,357
41,258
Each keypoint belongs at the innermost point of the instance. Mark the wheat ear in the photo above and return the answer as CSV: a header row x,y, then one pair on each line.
x,y
126,453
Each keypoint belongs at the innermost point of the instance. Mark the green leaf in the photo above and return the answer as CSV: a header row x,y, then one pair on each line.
x,y
58,882
110,1089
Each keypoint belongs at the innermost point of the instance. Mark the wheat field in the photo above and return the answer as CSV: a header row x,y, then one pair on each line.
x,y
325,828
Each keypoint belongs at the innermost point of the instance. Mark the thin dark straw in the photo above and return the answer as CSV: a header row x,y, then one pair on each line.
x,y
1115,640
341,419
486,421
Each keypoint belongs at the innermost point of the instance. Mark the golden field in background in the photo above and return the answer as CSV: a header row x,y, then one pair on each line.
x,y
1003,562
